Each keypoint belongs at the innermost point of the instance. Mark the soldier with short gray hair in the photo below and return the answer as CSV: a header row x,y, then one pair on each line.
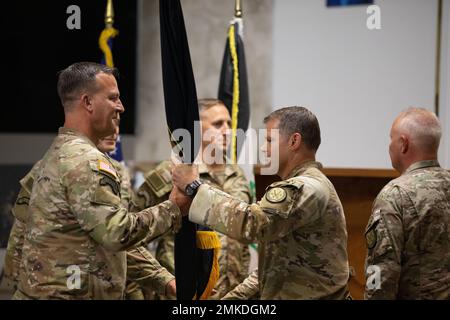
x,y
408,233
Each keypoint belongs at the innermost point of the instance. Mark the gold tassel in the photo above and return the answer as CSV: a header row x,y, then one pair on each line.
x,y
210,240
235,104
107,33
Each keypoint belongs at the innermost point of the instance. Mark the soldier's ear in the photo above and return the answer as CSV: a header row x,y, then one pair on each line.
x,y
87,103
295,141
404,144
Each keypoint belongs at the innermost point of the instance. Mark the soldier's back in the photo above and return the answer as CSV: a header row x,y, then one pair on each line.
x,y
424,205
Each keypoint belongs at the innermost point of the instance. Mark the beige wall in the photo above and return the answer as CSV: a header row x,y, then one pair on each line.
x,y
206,24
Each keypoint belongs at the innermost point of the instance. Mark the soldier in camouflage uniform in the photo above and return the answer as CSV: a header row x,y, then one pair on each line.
x,y
13,254
142,268
78,227
299,224
247,290
408,233
234,257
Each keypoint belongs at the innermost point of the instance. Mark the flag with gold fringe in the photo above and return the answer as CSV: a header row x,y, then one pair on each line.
x,y
196,248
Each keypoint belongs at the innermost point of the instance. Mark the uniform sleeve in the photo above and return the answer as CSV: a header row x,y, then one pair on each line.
x,y
13,255
286,206
94,198
384,237
165,252
248,289
144,269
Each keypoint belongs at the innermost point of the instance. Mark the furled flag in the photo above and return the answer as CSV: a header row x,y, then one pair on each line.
x,y
196,249
233,91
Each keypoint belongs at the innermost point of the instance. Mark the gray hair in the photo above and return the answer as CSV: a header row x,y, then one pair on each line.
x,y
79,76
298,120
423,128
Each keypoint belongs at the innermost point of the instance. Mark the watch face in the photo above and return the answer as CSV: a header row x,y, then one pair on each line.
x,y
189,191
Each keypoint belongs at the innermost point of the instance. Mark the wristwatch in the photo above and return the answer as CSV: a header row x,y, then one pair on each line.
x,y
191,188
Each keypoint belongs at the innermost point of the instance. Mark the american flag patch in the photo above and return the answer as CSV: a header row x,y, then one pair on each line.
x,y
106,167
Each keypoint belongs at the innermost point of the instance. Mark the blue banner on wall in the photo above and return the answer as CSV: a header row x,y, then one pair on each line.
x,y
336,3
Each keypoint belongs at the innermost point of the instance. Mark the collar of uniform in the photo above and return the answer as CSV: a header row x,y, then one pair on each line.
x,y
72,132
303,167
203,169
422,164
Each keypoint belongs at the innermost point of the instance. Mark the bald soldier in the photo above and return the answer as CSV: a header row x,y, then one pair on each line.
x,y
299,224
78,229
234,257
408,233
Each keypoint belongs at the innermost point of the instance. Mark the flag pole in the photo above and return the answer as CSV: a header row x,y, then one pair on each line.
x,y
107,34
109,14
238,8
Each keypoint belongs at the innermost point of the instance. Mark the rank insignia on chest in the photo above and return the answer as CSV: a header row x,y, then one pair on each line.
x,y
371,238
276,195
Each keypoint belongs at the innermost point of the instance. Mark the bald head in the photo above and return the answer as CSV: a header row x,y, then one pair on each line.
x,y
423,128
415,136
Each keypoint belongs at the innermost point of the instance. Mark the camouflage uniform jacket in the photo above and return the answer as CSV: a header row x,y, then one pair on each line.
x,y
247,290
408,236
300,228
143,270
234,257
78,226
142,267
13,254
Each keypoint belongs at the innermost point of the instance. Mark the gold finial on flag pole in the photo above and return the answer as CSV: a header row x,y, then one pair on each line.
x,y
238,9
109,14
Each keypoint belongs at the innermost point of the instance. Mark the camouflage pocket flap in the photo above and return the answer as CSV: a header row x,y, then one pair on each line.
x,y
20,209
27,182
281,196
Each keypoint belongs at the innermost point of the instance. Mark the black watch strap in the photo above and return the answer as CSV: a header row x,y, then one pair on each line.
x,y
191,189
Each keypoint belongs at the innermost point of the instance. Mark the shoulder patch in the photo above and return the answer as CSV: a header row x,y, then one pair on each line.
x,y
276,195
371,231
371,238
106,167
281,196
159,181
155,181
113,184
